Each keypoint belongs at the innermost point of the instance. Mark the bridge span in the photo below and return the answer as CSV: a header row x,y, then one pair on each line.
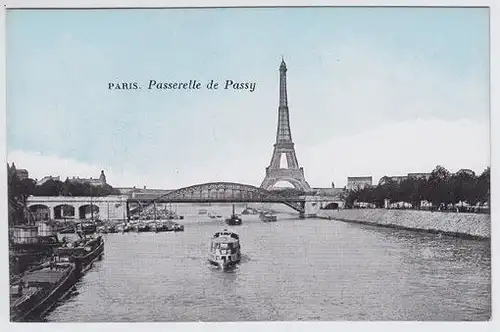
x,y
222,192
121,207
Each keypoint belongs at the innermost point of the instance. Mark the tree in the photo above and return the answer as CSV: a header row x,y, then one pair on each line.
x,y
438,185
462,186
49,188
17,193
483,187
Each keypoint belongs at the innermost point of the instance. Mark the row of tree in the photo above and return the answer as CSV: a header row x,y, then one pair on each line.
x,y
27,187
442,187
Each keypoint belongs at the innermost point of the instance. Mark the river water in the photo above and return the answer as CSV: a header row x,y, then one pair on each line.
x,y
311,269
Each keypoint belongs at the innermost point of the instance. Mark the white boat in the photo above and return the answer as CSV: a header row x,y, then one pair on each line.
x,y
267,217
225,249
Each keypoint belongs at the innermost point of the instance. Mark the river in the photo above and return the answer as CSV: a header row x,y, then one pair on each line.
x,y
310,269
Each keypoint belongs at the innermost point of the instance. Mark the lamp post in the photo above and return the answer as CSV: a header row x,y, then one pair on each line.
x,y
91,206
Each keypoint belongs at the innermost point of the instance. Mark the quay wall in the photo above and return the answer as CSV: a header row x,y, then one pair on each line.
x,y
474,225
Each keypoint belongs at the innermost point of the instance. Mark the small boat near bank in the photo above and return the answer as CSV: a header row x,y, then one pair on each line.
x,y
88,227
142,227
168,226
249,210
225,249
267,217
110,229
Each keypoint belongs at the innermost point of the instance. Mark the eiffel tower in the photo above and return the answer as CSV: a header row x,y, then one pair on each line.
x,y
284,145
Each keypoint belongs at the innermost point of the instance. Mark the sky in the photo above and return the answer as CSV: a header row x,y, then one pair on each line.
x,y
371,92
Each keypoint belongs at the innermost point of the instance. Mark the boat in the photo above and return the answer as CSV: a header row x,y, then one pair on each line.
x,y
178,228
82,252
40,288
106,229
86,227
163,227
126,227
151,225
225,249
267,217
142,227
31,244
234,219
249,210
67,229
214,216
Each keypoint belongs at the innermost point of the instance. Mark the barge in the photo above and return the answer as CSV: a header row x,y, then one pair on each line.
x,y
82,252
39,289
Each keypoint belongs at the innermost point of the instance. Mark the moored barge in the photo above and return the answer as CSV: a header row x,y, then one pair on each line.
x,y
39,289
82,252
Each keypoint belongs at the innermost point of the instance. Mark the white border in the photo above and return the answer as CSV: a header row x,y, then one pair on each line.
x,y
249,326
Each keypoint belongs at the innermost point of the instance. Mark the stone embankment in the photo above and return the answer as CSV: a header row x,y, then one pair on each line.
x,y
472,225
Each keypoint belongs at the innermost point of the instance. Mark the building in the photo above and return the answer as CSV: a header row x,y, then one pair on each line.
x,y
400,178
101,181
425,176
396,179
143,193
358,182
333,192
47,178
21,173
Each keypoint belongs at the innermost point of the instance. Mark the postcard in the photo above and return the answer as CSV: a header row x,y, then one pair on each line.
x,y
253,164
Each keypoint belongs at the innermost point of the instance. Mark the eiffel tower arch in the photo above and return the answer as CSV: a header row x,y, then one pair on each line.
x,y
284,146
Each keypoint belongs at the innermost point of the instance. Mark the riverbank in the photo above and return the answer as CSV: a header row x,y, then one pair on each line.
x,y
470,225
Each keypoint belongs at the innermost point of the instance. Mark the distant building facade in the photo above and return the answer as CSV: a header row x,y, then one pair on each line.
x,y
359,182
399,178
101,181
334,192
425,176
21,173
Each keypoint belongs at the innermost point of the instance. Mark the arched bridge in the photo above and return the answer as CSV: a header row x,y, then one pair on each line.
x,y
221,192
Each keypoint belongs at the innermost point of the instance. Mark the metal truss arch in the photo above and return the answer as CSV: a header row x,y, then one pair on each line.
x,y
225,192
